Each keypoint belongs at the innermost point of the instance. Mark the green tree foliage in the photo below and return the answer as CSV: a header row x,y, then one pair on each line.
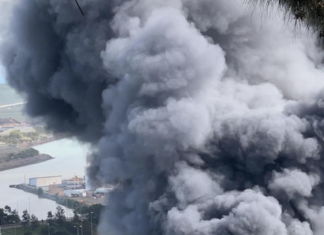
x,y
17,137
70,227
40,192
2,216
96,211
61,233
28,233
59,215
27,153
50,217
25,218
34,221
8,209
8,216
44,230
76,217
16,134
309,12
13,217
87,227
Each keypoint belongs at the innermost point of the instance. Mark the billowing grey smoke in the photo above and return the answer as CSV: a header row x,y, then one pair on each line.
x,y
208,115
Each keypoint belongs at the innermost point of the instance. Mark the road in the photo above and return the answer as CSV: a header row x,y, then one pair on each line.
x,y
10,226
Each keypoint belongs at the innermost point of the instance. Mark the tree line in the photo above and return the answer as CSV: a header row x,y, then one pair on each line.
x,y
55,223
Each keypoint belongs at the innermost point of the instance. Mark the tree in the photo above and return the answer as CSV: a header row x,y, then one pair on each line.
x,y
8,209
44,230
310,12
61,233
34,221
8,216
50,217
59,215
25,218
40,192
3,217
17,134
70,227
96,210
76,216
13,217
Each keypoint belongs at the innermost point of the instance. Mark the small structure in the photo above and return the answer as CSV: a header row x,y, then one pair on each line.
x,y
102,191
74,183
45,181
75,193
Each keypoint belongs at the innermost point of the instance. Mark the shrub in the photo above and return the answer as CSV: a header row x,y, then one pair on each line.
x,y
40,192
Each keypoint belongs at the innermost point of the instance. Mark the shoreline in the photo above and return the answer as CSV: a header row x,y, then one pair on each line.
x,y
61,200
35,144
25,162
33,160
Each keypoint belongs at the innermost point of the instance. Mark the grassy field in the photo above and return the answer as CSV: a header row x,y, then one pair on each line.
x,y
21,231
65,229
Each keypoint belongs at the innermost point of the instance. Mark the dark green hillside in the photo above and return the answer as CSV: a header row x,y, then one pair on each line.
x,y
309,12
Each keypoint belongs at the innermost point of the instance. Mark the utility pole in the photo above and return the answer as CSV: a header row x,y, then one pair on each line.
x,y
49,231
81,227
91,224
77,228
15,227
66,211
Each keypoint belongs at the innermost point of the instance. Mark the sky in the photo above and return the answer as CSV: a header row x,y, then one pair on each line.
x,y
2,75
5,5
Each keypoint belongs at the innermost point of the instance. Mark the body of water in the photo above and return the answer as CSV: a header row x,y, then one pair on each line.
x,y
69,160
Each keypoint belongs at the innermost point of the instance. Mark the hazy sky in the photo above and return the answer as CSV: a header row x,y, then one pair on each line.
x,y
2,75
6,6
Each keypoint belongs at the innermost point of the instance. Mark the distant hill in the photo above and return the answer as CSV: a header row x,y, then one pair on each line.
x,y
9,95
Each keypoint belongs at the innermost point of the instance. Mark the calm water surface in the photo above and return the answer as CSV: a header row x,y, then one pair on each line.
x,y
69,159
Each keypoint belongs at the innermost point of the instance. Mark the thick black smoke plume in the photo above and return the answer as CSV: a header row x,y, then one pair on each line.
x,y
208,115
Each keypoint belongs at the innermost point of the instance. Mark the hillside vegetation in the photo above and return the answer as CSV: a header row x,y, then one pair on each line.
x,y
309,12
16,137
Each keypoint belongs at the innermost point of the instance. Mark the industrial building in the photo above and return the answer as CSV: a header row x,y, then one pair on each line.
x,y
103,191
74,183
45,181
75,193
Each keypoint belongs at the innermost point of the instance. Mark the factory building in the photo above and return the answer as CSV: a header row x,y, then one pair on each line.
x,y
75,193
74,183
103,191
45,181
